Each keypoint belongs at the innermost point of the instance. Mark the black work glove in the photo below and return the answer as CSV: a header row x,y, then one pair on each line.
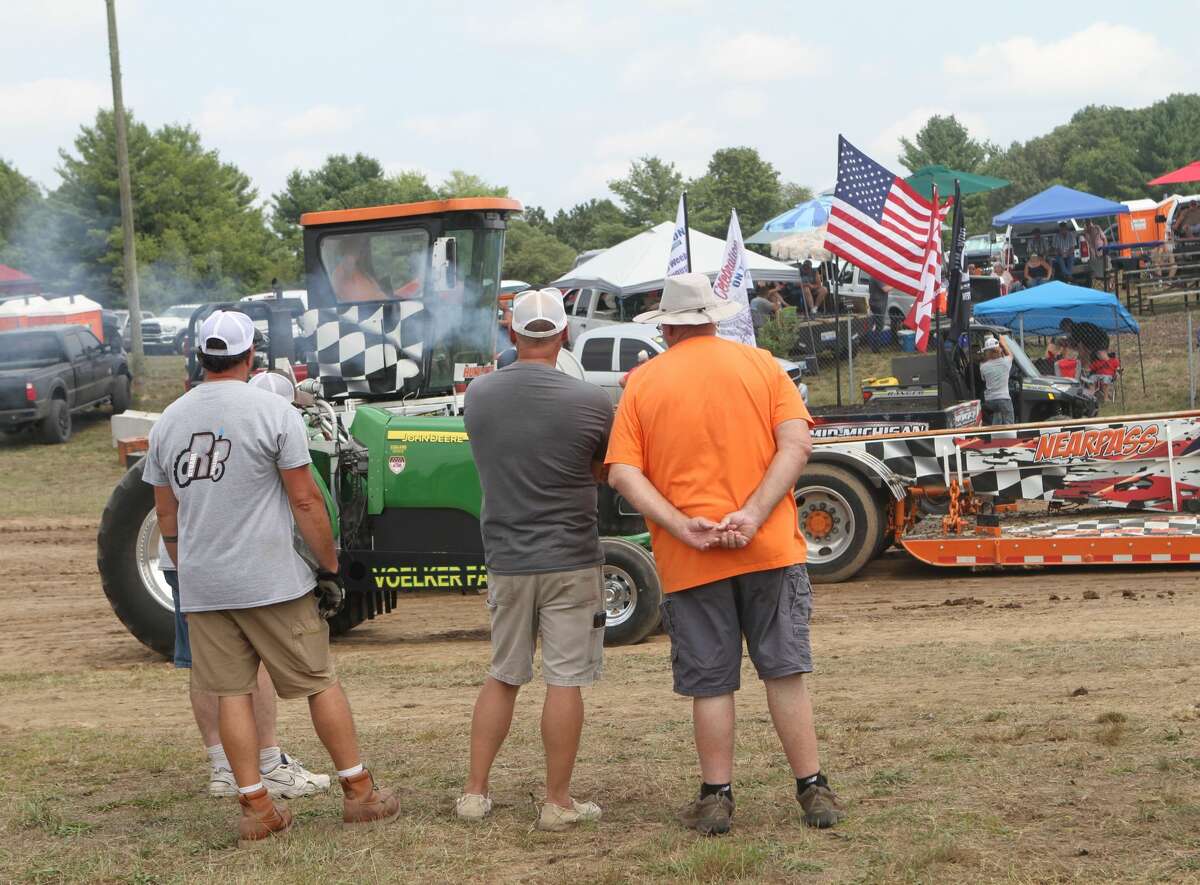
x,y
329,593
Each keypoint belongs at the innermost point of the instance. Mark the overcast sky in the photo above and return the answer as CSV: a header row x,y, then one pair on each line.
x,y
555,98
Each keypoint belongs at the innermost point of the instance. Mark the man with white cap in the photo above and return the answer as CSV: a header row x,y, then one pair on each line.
x,y
230,468
284,776
995,365
713,474
538,437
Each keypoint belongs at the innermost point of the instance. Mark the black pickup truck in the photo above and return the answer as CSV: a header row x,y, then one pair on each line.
x,y
49,372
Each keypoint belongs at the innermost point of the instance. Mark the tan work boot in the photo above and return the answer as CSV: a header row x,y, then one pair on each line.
x,y
555,818
711,815
822,808
365,803
261,818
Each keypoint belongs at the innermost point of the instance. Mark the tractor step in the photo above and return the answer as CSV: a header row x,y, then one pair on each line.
x,y
1173,538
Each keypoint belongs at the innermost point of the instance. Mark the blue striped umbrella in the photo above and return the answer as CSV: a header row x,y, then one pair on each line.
x,y
806,216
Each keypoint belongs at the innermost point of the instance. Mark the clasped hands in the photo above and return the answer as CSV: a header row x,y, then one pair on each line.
x,y
733,532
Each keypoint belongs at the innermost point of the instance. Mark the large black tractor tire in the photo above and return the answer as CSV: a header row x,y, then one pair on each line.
x,y
632,593
56,426
842,521
127,559
121,397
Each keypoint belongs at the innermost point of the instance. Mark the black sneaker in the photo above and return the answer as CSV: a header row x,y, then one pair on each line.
x,y
712,815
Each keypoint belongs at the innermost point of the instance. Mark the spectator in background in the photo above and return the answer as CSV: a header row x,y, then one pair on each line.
x,y
1006,279
764,306
1187,226
1096,242
974,270
1037,270
812,285
995,368
1036,244
1065,243
876,309
1089,340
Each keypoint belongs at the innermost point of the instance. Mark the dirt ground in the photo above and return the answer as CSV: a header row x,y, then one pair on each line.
x,y
1005,738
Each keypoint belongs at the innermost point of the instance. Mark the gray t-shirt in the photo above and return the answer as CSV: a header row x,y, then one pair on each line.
x,y
995,377
534,434
220,447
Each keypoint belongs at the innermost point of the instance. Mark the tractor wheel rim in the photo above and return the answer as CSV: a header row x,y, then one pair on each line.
x,y
620,595
147,563
827,522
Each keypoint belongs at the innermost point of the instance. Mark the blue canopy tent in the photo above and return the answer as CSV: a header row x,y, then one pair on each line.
x,y
1041,310
804,216
1058,203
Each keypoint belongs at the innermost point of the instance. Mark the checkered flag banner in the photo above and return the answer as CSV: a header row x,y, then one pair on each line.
x,y
360,348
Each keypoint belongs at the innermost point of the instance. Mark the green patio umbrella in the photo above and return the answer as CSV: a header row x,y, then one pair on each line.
x,y
969,183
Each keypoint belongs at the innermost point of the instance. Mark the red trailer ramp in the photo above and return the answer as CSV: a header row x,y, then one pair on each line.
x,y
1102,541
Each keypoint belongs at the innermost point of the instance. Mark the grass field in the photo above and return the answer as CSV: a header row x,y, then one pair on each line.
x,y
956,734
998,727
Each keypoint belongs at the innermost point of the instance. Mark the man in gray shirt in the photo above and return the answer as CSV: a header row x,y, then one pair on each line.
x,y
538,438
995,367
230,468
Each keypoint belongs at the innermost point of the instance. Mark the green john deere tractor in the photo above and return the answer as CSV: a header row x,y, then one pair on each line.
x,y
400,315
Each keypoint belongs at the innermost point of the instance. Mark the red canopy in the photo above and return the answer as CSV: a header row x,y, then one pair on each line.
x,y
1190,172
12,275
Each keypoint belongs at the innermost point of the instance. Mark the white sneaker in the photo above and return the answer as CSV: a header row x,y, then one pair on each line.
x,y
555,819
221,784
472,806
291,780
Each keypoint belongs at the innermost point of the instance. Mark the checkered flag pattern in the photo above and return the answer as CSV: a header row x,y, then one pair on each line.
x,y
1132,527
360,348
1006,464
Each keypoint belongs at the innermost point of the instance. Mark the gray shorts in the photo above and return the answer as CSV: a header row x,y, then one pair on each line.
x,y
566,608
706,625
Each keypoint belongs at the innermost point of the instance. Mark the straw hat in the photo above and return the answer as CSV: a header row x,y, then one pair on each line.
x,y
688,300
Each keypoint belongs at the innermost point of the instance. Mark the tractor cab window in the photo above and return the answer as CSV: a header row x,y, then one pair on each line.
x,y
385,265
460,307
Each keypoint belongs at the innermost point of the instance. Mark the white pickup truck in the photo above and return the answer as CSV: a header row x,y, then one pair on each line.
x,y
608,352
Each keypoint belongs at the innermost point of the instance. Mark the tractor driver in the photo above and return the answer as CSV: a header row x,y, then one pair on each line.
x,y
352,278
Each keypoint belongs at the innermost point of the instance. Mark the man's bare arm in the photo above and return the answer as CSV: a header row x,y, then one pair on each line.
x,y
308,508
696,532
166,508
793,445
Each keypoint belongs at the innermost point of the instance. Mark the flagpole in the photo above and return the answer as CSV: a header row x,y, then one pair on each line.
x,y
937,316
687,233
837,318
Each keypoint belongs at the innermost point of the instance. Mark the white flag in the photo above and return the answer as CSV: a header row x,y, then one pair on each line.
x,y
733,283
677,259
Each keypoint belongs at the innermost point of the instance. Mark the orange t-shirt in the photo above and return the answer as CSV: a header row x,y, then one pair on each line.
x,y
699,422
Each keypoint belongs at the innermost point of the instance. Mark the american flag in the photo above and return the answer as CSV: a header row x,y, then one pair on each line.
x,y
878,222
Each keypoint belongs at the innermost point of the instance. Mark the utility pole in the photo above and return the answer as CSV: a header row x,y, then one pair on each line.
x,y
132,296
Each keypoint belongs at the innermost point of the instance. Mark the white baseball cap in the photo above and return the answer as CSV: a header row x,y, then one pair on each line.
x,y
990,343
539,304
232,328
275,382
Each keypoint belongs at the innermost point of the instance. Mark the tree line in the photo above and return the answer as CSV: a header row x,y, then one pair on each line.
x,y
203,234
1108,151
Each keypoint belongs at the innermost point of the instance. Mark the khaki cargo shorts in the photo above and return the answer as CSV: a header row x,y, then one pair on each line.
x,y
566,608
290,638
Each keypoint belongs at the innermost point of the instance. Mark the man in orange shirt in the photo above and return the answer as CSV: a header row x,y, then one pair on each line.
x,y
708,443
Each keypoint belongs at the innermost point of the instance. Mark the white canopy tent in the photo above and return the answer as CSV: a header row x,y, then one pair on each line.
x,y
639,263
